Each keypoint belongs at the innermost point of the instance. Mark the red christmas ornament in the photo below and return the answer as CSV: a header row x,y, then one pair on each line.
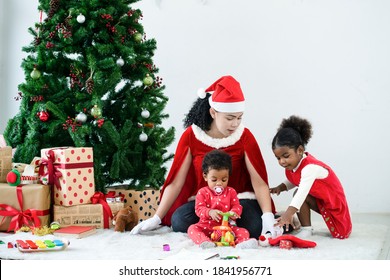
x,y
43,116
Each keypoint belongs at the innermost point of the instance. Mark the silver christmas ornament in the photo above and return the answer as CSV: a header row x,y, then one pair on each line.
x,y
80,18
81,117
143,137
120,62
145,114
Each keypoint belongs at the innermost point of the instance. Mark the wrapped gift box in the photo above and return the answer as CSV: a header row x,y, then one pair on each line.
x,y
5,163
86,214
34,197
3,144
71,175
144,202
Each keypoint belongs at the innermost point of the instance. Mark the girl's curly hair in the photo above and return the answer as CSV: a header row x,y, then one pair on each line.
x,y
293,132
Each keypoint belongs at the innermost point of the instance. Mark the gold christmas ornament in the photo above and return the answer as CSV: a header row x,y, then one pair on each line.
x,y
148,80
35,74
137,37
96,112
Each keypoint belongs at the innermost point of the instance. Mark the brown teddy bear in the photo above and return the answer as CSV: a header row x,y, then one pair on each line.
x,y
125,219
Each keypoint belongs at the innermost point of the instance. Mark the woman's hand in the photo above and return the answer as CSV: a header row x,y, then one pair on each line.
x,y
147,225
268,224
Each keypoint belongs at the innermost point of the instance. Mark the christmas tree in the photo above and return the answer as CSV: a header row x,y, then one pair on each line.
x,y
90,82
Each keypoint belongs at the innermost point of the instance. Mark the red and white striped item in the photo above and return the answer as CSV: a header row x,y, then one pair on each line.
x,y
25,180
29,176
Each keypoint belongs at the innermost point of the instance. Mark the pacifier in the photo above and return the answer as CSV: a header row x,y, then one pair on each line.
x,y
218,190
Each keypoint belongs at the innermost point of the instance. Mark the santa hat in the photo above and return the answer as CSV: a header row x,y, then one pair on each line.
x,y
227,96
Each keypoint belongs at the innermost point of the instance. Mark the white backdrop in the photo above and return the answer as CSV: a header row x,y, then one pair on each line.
x,y
326,60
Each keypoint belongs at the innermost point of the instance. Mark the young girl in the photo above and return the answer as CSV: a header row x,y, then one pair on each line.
x,y
214,122
215,198
319,189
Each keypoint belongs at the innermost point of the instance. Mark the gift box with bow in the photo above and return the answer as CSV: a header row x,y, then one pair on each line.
x,y
99,213
24,205
70,172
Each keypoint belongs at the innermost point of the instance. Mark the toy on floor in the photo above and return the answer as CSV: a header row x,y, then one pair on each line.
x,y
223,235
286,241
125,220
29,246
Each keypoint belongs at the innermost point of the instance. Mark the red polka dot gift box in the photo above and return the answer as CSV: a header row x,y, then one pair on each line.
x,y
70,172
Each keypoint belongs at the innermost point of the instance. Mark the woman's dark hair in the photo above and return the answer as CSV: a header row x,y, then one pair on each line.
x,y
217,159
293,132
199,114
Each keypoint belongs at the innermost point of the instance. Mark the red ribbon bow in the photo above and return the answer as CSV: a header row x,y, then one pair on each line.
x,y
20,218
100,198
53,173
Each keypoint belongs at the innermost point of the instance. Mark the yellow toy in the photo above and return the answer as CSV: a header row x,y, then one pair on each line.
x,y
223,235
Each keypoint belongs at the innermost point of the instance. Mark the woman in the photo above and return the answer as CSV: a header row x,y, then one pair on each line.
x,y
214,122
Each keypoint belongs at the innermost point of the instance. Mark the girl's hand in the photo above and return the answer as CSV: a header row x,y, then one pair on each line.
x,y
277,190
214,215
286,219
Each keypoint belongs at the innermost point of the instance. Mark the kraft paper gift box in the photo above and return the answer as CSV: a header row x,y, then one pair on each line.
x,y
144,202
86,214
70,172
35,202
5,163
3,144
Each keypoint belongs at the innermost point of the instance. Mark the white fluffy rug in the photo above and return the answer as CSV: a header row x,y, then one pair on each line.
x,y
365,243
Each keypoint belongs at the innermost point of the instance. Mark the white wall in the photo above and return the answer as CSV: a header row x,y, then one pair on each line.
x,y
326,60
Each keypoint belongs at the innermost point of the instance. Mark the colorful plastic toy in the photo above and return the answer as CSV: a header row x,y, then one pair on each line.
x,y
28,246
223,235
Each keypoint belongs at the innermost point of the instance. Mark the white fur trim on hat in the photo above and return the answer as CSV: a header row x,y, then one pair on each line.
x,y
218,143
227,107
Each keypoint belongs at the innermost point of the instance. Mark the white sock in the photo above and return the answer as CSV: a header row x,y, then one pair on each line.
x,y
304,232
207,244
248,244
